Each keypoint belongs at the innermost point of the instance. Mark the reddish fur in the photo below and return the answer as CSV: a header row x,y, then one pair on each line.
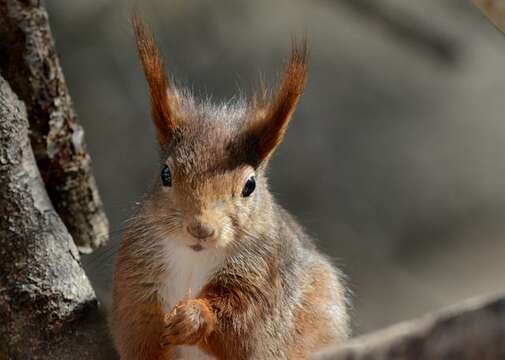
x,y
137,328
236,314
275,296
310,324
273,121
162,96
181,327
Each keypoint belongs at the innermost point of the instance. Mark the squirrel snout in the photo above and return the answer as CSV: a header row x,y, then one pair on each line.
x,y
200,230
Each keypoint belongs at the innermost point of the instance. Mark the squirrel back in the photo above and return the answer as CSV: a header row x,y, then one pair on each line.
x,y
210,265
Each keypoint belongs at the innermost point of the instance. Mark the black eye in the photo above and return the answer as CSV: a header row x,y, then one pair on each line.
x,y
249,187
166,176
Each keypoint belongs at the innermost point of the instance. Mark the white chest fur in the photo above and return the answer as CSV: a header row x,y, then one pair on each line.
x,y
187,272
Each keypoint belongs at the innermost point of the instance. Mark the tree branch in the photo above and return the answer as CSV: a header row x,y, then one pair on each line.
x,y
472,331
28,61
408,28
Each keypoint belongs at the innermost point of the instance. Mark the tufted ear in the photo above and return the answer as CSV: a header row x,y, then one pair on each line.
x,y
273,116
163,97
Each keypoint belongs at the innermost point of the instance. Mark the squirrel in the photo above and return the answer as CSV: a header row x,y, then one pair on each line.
x,y
211,266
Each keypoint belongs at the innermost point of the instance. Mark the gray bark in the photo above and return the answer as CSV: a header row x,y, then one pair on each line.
x,y
48,309
28,61
472,331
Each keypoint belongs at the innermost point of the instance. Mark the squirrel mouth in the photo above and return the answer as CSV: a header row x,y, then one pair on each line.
x,y
197,247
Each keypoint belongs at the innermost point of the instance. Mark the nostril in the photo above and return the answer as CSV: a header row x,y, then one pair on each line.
x,y
200,230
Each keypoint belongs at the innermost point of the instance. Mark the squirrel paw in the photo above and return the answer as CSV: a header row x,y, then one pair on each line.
x,y
189,322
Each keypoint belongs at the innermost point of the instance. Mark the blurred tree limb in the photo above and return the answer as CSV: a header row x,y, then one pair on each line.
x,y
494,10
28,61
407,28
473,331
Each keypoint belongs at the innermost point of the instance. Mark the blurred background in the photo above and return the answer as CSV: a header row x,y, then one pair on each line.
x,y
395,160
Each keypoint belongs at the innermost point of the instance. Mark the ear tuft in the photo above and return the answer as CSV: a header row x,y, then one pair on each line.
x,y
162,96
273,119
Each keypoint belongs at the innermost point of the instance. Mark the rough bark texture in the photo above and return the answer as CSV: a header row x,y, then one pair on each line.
x,y
28,61
473,331
47,306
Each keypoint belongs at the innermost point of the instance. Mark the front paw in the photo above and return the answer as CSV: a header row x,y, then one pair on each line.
x,y
188,323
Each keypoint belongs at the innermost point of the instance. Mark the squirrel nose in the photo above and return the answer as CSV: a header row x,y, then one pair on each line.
x,y
200,230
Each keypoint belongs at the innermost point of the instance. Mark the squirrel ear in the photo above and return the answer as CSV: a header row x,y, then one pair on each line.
x,y
273,117
163,97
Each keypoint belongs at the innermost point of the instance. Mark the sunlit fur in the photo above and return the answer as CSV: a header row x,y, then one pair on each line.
x,y
257,288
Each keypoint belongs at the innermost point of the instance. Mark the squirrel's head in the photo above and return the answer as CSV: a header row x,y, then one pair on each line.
x,y
212,189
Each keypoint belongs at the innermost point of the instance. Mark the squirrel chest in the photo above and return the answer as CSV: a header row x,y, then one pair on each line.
x,y
187,271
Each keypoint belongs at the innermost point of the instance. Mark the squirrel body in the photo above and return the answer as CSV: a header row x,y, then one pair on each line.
x,y
210,266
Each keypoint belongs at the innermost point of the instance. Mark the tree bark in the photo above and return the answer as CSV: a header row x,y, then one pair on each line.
x,y
472,331
28,61
47,306
48,309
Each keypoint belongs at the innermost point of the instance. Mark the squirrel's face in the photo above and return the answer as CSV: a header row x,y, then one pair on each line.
x,y
208,187
212,188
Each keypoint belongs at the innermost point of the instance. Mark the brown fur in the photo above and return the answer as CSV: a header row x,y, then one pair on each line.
x,y
162,96
189,322
137,326
273,122
263,291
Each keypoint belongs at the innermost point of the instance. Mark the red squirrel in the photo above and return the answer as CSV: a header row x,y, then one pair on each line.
x,y
210,266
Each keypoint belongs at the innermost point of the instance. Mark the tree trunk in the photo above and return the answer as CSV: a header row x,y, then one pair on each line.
x,y
47,306
48,309
28,61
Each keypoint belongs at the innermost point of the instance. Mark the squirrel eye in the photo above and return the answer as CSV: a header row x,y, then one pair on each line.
x,y
249,187
166,176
